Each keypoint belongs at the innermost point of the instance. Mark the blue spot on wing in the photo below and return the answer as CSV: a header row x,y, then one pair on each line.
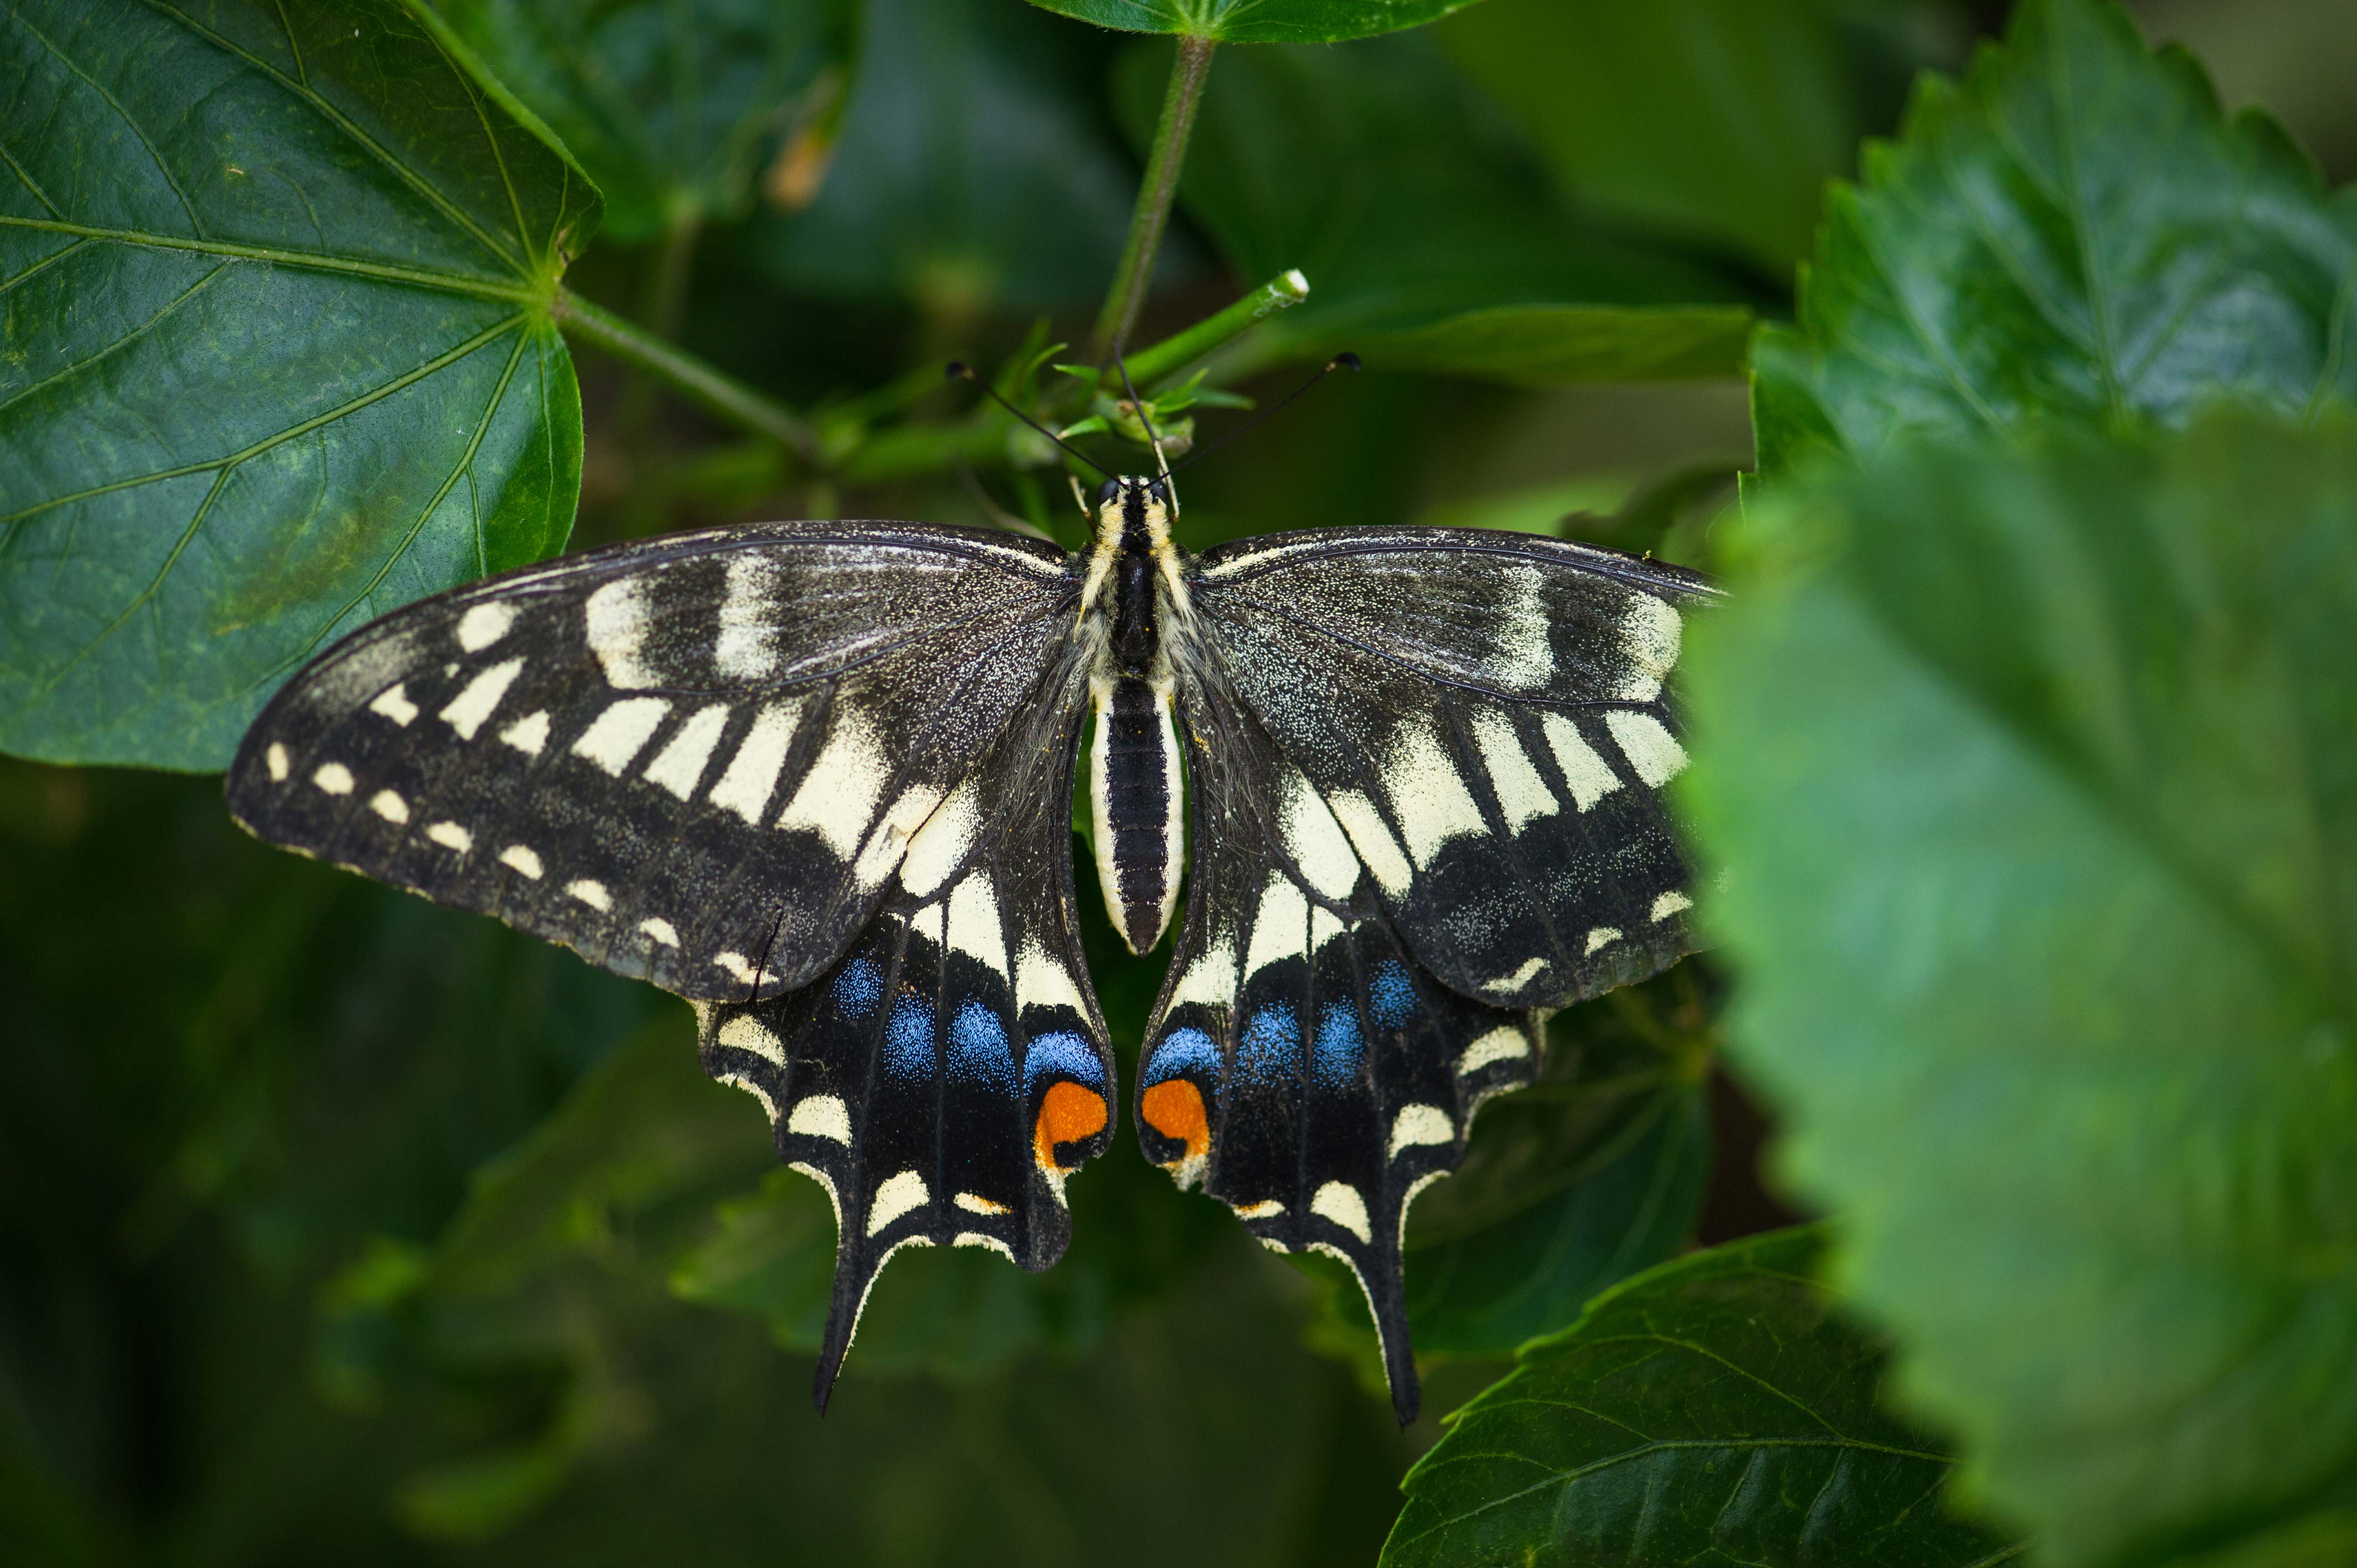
x,y
857,988
1270,1047
909,1038
1339,1049
978,1047
1182,1051
1392,998
1062,1053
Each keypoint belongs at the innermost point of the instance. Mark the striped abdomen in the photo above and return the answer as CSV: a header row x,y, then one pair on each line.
x,y
1134,795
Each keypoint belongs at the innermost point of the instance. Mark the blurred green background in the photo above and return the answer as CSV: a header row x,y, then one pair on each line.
x,y
336,1227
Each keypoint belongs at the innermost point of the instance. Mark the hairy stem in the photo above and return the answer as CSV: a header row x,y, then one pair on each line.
x,y
1127,295
722,395
1181,350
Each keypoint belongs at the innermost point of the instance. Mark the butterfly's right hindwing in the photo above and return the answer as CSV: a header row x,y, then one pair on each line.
x,y
698,760
1302,1065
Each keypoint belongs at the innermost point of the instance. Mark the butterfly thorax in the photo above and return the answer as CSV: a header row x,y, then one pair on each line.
x,y
1134,598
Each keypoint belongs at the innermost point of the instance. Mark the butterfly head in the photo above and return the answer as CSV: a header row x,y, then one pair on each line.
x,y
1133,513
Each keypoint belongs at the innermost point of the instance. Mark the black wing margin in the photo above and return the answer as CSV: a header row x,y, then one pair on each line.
x,y
697,760
1486,715
1302,1065
943,1078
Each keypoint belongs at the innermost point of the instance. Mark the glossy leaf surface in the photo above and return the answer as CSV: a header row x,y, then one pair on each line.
x,y
2075,233
1720,1408
2035,787
277,289
1258,21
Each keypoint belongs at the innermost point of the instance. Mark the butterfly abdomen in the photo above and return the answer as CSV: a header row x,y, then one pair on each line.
x,y
1135,794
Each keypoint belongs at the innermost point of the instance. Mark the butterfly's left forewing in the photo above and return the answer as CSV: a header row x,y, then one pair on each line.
x,y
697,760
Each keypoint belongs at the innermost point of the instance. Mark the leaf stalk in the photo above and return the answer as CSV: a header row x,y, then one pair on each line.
x,y
1154,194
721,393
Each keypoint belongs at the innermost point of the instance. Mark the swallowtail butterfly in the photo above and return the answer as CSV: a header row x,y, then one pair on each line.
x,y
815,777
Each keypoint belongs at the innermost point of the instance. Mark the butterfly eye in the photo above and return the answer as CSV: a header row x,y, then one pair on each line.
x,y
1108,492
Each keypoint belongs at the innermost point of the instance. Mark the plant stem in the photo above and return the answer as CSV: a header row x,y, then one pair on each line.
x,y
667,289
722,395
1154,195
666,304
1181,350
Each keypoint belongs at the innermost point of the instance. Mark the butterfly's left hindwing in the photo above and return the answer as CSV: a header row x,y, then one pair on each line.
x,y
1302,1065
949,1072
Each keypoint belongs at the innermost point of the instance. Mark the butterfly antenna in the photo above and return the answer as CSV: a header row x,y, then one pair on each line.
x,y
960,371
1343,361
1138,404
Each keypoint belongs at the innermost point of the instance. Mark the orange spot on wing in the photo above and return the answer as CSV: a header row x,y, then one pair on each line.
x,y
1175,1110
1068,1114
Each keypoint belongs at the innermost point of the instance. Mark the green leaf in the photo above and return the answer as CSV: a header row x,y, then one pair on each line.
x,y
971,170
1257,21
1431,241
2074,235
1720,1408
646,1135
674,108
1589,1175
279,354
2034,786
1720,119
1555,345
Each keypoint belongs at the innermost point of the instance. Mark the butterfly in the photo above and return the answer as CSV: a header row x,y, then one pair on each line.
x,y
816,778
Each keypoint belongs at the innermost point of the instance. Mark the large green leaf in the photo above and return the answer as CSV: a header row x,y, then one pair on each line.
x,y
1589,1175
971,168
274,288
1720,1408
674,108
1716,118
2074,235
1257,21
2034,789
1432,242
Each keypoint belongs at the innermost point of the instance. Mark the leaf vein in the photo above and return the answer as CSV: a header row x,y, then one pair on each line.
x,y
126,341
374,394
358,136
449,283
